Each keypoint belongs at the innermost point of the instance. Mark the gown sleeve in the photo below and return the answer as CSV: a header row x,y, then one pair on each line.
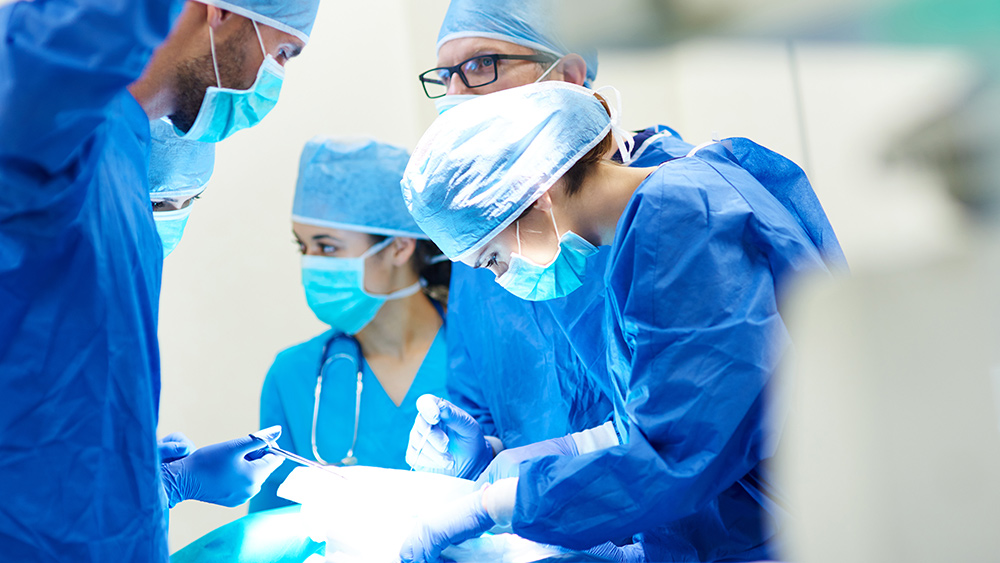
x,y
63,62
693,325
465,386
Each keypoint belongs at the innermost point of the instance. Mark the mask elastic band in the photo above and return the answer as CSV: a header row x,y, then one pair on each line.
x,y
550,69
376,248
400,294
437,259
259,38
215,62
622,137
517,229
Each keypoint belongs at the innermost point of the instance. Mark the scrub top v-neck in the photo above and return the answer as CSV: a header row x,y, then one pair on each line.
x,y
288,399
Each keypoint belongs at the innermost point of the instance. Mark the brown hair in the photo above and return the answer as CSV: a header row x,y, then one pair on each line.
x,y
436,273
574,177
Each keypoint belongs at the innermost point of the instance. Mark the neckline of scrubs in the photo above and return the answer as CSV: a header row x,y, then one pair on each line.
x,y
368,371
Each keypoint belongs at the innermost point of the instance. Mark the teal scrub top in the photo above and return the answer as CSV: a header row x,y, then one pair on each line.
x,y
288,399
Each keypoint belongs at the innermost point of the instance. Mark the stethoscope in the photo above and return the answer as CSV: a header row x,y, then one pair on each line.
x,y
349,459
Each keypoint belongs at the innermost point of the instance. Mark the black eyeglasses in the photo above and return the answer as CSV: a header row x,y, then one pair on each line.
x,y
475,72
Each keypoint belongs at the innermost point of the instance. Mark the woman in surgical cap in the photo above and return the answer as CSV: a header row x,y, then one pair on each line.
x,y
348,396
521,182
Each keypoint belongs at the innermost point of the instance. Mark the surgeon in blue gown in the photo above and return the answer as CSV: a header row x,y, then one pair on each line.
x,y
700,249
534,387
348,396
80,259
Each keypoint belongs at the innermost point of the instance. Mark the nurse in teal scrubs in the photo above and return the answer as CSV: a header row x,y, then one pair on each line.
x,y
348,396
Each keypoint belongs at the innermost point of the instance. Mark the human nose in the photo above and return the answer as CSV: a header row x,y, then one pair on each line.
x,y
456,85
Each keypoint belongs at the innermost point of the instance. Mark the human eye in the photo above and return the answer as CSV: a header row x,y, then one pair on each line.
x,y
478,65
328,249
301,245
471,65
491,261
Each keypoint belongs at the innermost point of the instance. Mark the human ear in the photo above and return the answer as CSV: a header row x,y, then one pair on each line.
x,y
543,203
574,69
402,249
217,16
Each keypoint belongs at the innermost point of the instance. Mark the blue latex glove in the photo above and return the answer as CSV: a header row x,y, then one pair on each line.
x,y
628,554
174,446
507,462
464,519
225,473
445,439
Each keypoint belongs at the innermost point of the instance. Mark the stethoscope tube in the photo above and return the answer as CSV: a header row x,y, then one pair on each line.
x,y
349,459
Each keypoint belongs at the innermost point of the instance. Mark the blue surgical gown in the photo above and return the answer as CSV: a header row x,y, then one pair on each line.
x,y
700,257
511,364
288,399
80,265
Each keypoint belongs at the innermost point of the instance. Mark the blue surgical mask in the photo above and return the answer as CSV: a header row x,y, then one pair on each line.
x,y
225,111
335,290
560,277
170,225
448,101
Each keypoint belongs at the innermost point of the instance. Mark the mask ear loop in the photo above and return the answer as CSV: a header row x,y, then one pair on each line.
x,y
260,39
376,248
550,69
215,62
622,138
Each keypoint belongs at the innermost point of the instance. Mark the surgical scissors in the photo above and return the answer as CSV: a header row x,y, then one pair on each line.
x,y
272,447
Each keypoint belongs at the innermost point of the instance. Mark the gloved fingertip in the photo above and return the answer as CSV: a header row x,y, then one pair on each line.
x,y
428,407
268,434
176,437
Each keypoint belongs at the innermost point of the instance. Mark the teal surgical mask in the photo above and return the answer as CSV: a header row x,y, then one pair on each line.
x,y
335,290
560,277
225,111
170,225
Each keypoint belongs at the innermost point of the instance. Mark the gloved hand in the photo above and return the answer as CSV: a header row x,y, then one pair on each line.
x,y
173,447
506,463
445,439
632,553
464,519
221,473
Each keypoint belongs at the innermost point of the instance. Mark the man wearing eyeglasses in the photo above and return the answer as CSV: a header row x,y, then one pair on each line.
x,y
512,363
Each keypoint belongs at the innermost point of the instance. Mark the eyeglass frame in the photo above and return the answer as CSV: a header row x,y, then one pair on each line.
x,y
457,69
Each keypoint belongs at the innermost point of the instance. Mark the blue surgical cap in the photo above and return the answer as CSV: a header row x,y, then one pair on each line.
x,y
353,185
291,16
530,23
484,162
177,167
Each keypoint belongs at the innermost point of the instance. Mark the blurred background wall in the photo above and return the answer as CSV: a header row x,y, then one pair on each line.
x,y
231,295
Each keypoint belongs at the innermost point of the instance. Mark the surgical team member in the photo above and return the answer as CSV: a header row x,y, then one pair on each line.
x,y
179,171
227,473
80,259
700,249
348,395
535,386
